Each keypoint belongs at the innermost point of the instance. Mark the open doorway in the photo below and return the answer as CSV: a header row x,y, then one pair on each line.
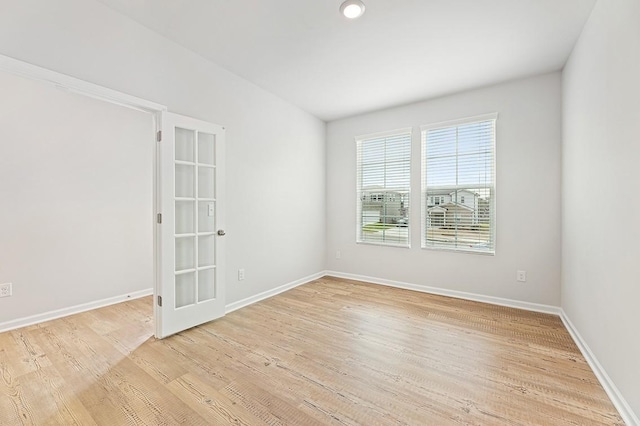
x,y
76,194
85,185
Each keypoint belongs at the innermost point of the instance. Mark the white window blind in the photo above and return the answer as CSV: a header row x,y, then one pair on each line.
x,y
458,170
383,188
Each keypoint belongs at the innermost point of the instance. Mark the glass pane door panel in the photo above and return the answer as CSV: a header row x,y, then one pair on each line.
x,y
185,253
185,181
206,182
206,148
185,217
206,216
206,251
206,285
185,289
185,145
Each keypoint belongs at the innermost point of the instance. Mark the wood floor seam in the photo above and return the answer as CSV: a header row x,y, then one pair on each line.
x,y
329,352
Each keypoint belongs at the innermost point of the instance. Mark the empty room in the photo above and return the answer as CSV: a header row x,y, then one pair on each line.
x,y
319,212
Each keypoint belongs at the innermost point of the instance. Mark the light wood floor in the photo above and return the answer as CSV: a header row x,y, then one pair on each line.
x,y
329,352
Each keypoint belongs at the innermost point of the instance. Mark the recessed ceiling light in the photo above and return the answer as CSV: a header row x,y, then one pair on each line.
x,y
352,9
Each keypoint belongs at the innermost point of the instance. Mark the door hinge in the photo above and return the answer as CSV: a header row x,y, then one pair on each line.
x,y
159,300
159,135
159,218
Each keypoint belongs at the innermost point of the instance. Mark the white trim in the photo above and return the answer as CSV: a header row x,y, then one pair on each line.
x,y
624,409
627,414
610,388
424,188
376,243
76,85
397,132
460,250
64,312
274,291
459,121
360,190
528,306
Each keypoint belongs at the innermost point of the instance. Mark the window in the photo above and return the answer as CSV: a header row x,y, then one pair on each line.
x,y
383,173
459,158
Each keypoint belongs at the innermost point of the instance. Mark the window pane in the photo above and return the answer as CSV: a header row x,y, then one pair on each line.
x,y
458,187
384,174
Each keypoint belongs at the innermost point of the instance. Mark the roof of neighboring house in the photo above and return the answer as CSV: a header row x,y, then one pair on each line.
x,y
447,206
450,192
436,209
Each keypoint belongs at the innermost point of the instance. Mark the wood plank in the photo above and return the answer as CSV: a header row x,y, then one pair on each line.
x,y
333,352
209,403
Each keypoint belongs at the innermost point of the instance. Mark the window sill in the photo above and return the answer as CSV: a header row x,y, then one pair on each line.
x,y
372,243
458,250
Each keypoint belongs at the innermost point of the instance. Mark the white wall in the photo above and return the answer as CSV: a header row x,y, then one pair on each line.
x,y
275,151
528,195
75,196
600,222
276,162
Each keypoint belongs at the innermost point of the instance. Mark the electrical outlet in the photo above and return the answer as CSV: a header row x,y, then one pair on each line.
x,y
338,254
240,274
521,276
5,290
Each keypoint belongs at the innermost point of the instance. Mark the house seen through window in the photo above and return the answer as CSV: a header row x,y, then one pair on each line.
x,y
458,170
383,186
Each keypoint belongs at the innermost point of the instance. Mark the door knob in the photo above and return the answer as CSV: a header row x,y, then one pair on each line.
x,y
221,232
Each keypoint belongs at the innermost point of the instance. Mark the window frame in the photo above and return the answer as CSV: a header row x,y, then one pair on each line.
x,y
424,129
359,192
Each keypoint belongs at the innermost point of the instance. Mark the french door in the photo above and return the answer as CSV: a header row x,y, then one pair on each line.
x,y
190,246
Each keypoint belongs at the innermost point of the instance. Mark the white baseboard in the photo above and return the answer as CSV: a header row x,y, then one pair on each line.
x,y
610,388
535,307
59,313
270,293
627,414
48,316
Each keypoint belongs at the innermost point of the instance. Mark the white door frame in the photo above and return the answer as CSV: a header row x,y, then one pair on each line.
x,y
75,85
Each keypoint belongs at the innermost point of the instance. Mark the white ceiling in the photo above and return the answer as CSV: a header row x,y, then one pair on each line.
x,y
400,51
